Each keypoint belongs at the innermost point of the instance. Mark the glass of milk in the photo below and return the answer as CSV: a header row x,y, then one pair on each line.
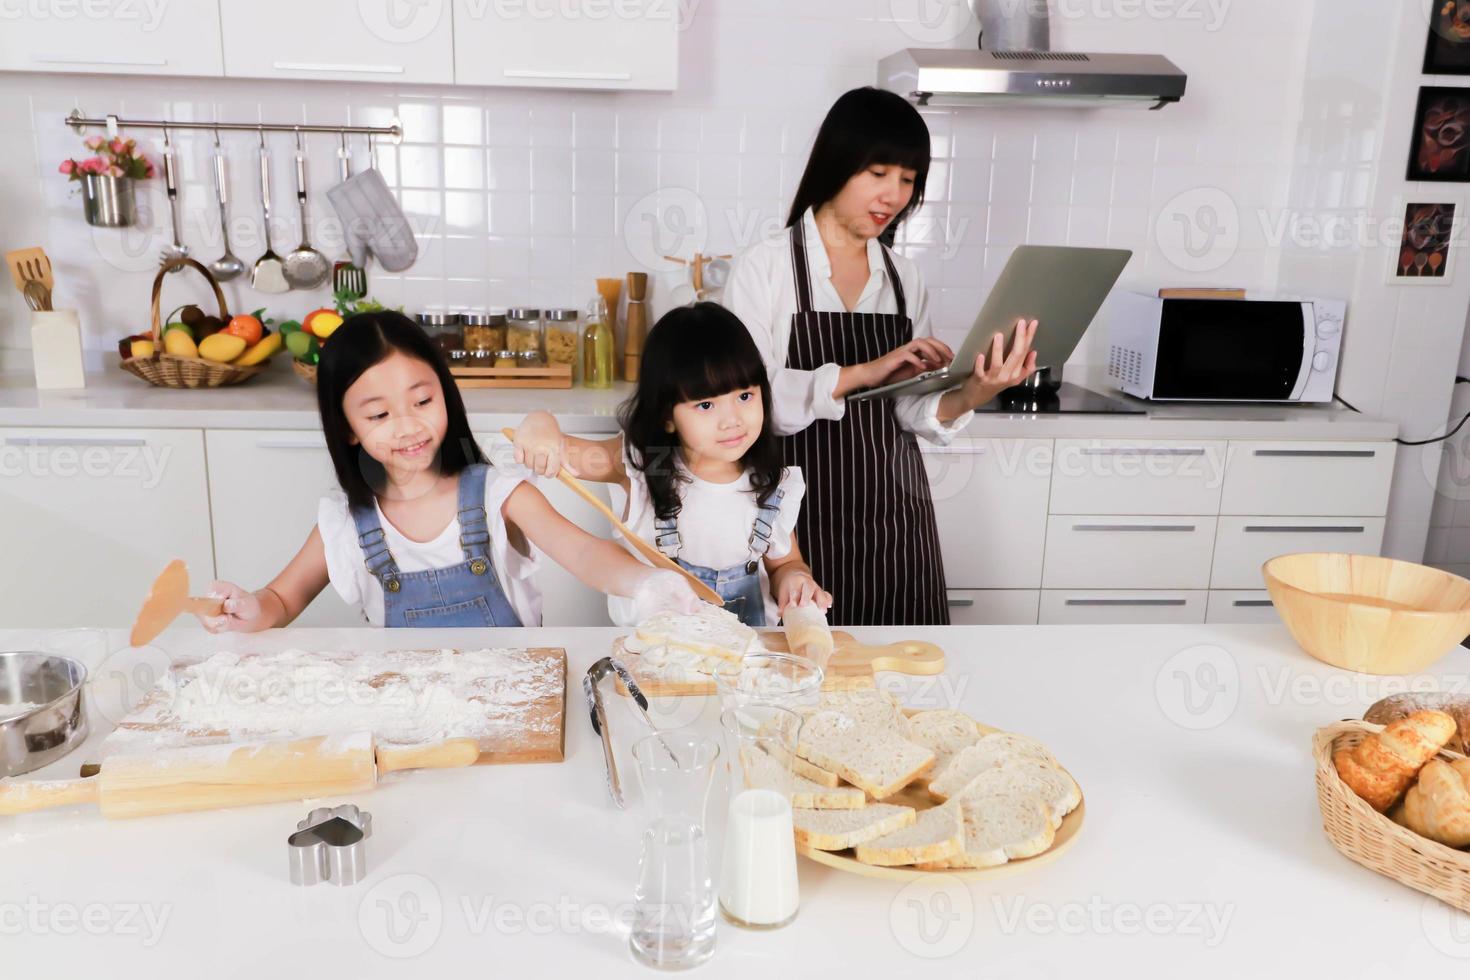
x,y
757,885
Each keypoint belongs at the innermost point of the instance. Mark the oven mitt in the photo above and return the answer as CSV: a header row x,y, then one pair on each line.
x,y
371,218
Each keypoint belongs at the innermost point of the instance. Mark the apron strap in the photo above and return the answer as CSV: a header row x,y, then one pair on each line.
x,y
799,270
370,538
474,525
897,282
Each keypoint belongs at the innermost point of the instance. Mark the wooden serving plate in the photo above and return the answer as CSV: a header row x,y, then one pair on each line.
x,y
918,797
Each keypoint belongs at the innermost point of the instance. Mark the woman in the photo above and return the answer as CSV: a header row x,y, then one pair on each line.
x,y
834,311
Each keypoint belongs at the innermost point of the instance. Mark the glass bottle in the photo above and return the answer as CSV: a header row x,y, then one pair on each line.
x,y
597,347
758,881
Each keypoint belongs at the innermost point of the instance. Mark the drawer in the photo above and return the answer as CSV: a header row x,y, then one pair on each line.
x,y
990,504
1313,478
1240,607
1059,608
993,607
1155,552
1244,544
1105,476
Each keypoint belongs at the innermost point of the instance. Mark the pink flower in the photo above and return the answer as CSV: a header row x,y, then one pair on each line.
x,y
147,168
114,171
67,166
118,146
93,143
94,165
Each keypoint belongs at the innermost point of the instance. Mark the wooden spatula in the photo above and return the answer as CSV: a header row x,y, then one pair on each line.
x,y
213,777
167,599
655,557
30,263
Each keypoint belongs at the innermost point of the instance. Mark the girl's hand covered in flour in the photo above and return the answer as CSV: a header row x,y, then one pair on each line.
x,y
240,609
664,591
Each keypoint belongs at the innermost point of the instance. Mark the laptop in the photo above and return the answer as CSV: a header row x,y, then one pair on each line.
x,y
1060,287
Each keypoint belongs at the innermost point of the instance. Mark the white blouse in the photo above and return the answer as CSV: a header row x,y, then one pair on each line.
x,y
715,521
762,292
347,568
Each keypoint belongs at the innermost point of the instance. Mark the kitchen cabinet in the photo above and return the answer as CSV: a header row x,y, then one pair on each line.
x,y
89,518
597,44
1091,607
1227,606
1128,552
990,502
337,39
993,607
263,492
1244,544
1109,476
111,37
1320,479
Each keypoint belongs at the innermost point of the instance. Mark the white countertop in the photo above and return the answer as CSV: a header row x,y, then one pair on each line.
x,y
279,400
1202,843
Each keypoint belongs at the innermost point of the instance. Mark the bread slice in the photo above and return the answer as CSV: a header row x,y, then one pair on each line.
x,y
935,835
837,830
875,760
816,774
990,752
944,732
763,769
1000,827
1056,790
871,708
710,633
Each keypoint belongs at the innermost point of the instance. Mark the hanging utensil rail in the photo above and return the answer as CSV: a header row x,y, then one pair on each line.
x,y
77,121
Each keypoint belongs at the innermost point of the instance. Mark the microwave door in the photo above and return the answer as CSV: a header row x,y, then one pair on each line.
x,y
1226,350
1309,348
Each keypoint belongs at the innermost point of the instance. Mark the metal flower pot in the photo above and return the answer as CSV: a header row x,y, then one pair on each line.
x,y
108,201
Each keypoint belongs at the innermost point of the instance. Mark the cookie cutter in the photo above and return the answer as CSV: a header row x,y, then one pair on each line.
x,y
330,845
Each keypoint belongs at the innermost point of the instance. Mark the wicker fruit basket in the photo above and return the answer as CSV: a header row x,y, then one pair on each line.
x,y
306,372
1372,839
172,371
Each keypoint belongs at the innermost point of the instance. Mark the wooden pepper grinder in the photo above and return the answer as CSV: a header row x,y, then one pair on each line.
x,y
611,291
637,324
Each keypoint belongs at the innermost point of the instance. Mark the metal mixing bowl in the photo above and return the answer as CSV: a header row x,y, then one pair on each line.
x,y
57,724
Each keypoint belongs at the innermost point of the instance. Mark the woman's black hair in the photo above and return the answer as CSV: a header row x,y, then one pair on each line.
x,y
361,342
692,353
866,127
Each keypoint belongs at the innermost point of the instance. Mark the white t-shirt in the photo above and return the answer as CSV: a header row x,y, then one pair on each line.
x,y
714,527
347,568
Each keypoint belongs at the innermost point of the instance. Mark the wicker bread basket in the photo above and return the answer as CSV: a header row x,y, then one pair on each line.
x,y
172,371
1375,841
304,371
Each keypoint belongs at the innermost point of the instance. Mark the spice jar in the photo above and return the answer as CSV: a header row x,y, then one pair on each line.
x,y
444,329
524,331
507,359
484,331
561,336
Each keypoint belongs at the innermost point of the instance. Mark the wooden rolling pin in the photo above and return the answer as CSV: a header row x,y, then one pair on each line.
x,y
212,777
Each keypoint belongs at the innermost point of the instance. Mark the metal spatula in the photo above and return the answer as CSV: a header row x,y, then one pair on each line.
x,y
269,273
167,599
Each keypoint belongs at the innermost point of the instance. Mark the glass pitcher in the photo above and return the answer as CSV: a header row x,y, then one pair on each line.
x,y
674,904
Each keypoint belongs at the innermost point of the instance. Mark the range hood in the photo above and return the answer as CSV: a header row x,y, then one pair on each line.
x,y
1014,65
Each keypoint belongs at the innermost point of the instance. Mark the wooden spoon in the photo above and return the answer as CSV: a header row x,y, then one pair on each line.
x,y
655,557
167,599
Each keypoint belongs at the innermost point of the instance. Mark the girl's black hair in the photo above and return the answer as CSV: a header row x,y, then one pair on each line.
x,y
692,353
362,341
866,127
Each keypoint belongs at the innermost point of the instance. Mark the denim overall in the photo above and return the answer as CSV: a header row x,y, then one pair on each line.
x,y
467,594
738,585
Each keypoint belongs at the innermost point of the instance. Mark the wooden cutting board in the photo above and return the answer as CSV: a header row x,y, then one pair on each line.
x,y
852,665
524,709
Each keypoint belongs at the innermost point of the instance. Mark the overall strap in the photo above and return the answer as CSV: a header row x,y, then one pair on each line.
x,y
474,525
897,282
376,556
760,530
666,536
799,269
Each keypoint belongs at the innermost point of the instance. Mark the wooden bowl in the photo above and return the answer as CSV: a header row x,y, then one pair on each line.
x,y
1369,614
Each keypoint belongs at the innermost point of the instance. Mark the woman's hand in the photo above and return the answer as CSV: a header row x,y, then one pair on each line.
x,y
910,360
798,588
239,613
1002,370
664,591
540,445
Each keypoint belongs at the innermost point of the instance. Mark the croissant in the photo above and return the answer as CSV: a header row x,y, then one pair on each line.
x,y
1382,766
1438,806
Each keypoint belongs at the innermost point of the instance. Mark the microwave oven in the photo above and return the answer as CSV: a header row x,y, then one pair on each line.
x,y
1232,350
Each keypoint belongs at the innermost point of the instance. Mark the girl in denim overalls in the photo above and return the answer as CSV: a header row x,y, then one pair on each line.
x,y
700,466
424,532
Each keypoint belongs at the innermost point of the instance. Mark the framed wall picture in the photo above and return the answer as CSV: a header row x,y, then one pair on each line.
x,y
1428,245
1440,149
1447,51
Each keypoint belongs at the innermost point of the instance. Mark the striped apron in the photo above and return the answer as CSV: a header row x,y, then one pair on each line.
x,y
867,525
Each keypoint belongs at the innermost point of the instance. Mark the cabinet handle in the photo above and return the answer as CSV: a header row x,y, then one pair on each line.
x,y
62,60
928,450
1248,603
1318,453
1303,529
325,66
50,442
1187,528
570,76
284,444
1141,451
1127,602
961,603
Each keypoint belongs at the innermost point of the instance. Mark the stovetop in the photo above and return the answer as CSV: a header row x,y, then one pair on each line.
x,y
1068,399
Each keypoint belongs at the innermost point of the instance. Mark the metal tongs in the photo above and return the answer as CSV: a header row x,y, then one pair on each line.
x,y
598,711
